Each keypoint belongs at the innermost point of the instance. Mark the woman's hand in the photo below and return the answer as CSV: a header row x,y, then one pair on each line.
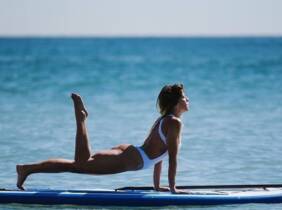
x,y
162,189
176,191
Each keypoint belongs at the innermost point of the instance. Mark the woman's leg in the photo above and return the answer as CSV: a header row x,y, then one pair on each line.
x,y
82,150
82,146
116,160
119,159
49,166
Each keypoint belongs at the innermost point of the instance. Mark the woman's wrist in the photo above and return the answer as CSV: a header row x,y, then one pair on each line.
x,y
172,189
162,189
156,187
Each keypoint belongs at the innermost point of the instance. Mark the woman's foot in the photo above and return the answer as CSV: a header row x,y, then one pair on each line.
x,y
82,115
22,174
79,104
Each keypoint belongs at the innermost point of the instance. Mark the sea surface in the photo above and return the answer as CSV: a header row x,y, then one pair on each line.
x,y
232,133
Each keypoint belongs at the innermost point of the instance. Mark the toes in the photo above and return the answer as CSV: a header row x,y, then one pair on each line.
x,y
74,96
21,187
79,103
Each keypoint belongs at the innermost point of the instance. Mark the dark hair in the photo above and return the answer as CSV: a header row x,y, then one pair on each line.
x,y
169,97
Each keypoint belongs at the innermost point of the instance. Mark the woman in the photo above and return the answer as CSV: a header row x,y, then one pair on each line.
x,y
163,139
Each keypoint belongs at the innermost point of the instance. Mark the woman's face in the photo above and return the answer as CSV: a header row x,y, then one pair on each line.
x,y
184,103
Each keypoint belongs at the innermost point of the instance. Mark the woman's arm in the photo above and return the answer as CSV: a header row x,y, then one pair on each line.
x,y
157,175
173,139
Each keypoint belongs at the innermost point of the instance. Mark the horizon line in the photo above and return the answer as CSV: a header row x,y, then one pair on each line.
x,y
141,36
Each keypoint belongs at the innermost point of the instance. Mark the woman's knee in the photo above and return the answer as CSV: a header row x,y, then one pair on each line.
x,y
79,166
81,159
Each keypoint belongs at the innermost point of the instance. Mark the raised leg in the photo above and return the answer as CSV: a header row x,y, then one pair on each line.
x,y
82,146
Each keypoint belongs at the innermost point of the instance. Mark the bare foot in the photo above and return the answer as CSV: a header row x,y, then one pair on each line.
x,y
79,103
22,174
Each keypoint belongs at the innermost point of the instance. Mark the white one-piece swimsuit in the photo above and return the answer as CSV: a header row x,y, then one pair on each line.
x,y
147,162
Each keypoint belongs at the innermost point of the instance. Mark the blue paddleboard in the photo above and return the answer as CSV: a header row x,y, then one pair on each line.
x,y
145,197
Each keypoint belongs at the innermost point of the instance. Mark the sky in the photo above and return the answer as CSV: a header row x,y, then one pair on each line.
x,y
140,17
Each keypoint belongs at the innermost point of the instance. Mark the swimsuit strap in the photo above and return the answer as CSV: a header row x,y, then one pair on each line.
x,y
162,136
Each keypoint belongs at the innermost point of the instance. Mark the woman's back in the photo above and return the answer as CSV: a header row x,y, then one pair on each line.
x,y
155,145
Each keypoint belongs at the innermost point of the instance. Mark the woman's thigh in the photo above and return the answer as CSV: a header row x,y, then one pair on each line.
x,y
117,150
104,163
116,160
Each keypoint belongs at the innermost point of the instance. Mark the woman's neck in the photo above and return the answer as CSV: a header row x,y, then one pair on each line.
x,y
176,114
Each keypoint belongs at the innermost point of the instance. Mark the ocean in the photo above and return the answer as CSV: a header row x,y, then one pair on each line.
x,y
231,135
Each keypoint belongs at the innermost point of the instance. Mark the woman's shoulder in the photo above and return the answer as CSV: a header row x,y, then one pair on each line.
x,y
173,121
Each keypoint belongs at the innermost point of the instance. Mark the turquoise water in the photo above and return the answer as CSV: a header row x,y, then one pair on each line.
x,y
232,134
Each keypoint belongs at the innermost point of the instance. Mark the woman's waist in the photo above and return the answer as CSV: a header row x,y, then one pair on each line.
x,y
153,153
